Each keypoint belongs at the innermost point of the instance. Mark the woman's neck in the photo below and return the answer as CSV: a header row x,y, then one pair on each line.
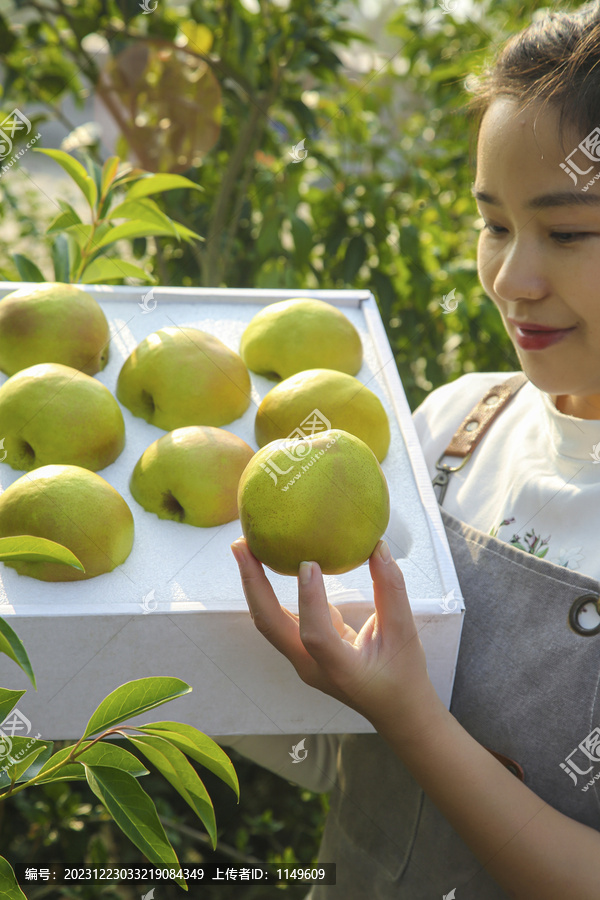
x,y
581,407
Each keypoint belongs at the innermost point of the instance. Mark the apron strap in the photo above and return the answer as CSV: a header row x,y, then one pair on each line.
x,y
473,428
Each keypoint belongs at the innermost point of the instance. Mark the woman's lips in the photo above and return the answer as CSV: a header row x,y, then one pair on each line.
x,y
538,337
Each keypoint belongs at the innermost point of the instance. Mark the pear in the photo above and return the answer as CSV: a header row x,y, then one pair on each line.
x,y
324,499
183,376
52,413
317,399
292,335
74,507
191,475
52,322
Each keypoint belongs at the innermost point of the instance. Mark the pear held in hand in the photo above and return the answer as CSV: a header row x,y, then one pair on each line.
x,y
52,413
75,508
191,475
323,499
317,399
52,322
293,335
183,376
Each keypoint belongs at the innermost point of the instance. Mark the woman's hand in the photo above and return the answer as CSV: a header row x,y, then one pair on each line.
x,y
379,672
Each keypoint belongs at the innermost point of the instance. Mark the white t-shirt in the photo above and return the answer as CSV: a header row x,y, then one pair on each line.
x,y
534,480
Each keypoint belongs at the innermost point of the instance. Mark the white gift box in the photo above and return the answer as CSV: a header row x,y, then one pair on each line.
x,y
176,606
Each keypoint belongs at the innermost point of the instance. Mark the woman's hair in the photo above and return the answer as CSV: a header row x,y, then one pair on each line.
x,y
554,60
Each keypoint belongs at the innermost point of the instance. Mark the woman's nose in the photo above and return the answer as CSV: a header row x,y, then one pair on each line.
x,y
520,273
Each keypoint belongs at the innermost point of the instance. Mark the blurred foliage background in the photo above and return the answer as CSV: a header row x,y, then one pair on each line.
x,y
376,195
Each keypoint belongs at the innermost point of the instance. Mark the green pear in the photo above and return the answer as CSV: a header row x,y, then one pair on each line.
x,y
292,335
52,322
324,499
182,376
52,413
75,508
318,399
191,475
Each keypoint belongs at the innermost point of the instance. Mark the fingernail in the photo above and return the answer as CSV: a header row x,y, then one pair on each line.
x,y
305,572
384,552
238,548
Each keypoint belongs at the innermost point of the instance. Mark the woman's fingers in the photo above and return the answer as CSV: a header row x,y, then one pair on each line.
x,y
311,640
319,635
394,615
271,620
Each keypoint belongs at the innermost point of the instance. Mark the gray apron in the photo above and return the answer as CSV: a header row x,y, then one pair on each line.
x,y
527,687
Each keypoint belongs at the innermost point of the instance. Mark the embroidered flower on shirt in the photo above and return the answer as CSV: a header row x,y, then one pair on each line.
x,y
571,557
531,543
494,531
567,557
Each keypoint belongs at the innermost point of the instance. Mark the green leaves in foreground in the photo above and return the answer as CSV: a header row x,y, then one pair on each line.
x,y
135,814
9,889
133,699
12,646
112,771
26,546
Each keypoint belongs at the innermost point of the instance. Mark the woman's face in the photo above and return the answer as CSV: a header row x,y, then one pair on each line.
x,y
539,253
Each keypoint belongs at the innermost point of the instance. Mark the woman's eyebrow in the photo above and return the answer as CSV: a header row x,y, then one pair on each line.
x,y
544,201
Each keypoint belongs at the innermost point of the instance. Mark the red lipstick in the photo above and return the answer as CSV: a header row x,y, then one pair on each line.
x,y
534,336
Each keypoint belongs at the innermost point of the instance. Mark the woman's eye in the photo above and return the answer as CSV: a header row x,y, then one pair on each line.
x,y
567,237
493,229
561,237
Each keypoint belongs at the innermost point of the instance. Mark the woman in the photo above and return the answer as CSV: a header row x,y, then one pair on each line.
x,y
423,807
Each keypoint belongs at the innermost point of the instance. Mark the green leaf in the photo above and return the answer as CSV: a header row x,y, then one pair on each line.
x,y
134,698
8,701
186,233
93,169
199,747
12,767
109,170
143,211
303,239
34,766
76,171
60,258
178,771
81,233
154,184
26,546
9,889
12,646
356,253
64,220
134,813
26,268
103,269
132,229
74,256
98,754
